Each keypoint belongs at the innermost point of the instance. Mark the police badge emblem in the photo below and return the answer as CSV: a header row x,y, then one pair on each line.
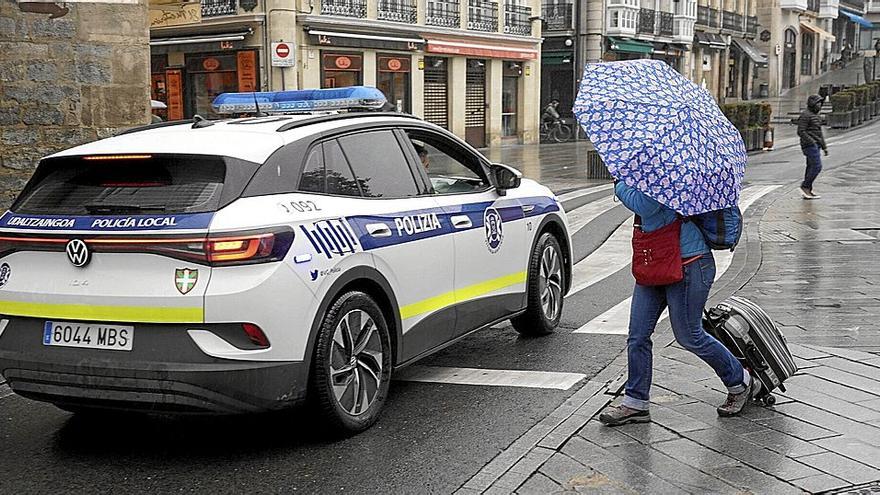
x,y
494,230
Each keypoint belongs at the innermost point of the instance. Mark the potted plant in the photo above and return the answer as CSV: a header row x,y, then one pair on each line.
x,y
841,110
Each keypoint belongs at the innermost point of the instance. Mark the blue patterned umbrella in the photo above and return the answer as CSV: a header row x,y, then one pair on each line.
x,y
662,134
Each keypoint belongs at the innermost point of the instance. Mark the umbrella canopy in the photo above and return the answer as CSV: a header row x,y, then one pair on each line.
x,y
157,105
662,134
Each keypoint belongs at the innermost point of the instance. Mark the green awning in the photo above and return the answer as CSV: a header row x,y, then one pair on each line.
x,y
557,57
630,46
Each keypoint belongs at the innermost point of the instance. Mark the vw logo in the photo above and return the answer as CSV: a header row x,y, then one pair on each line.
x,y
78,252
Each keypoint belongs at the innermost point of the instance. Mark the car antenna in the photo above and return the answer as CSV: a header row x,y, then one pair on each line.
x,y
257,105
200,122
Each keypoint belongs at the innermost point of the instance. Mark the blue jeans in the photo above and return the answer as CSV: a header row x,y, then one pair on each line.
x,y
686,300
814,166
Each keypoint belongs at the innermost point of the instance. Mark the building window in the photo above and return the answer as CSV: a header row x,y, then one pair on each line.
x,y
807,48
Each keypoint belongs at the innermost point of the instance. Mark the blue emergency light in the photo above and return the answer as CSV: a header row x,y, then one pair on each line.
x,y
304,100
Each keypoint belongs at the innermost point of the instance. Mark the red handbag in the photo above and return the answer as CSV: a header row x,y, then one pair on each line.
x,y
657,254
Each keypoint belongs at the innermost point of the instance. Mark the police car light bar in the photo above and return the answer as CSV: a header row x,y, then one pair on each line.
x,y
305,100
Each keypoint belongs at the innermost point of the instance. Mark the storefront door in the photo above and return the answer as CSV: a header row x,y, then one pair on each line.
x,y
393,79
339,70
510,98
206,77
475,103
436,91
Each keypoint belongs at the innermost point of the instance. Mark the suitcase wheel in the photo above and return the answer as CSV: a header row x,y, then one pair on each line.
x,y
769,400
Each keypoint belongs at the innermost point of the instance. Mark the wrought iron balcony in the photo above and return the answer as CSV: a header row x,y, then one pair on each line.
x,y
707,16
813,5
516,19
558,16
752,25
345,8
443,13
857,5
213,8
647,21
398,11
731,21
483,16
666,23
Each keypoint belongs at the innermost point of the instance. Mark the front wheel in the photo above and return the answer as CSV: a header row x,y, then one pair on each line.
x,y
561,133
545,289
351,370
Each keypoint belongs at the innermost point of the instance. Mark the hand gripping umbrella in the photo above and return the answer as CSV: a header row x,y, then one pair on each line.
x,y
662,134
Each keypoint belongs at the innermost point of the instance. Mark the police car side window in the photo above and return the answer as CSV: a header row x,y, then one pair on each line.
x,y
379,164
327,171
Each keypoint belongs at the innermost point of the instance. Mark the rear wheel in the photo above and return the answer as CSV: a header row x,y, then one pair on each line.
x,y
546,282
351,369
560,133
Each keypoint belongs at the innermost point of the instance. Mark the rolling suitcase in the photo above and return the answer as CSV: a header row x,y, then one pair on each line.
x,y
749,333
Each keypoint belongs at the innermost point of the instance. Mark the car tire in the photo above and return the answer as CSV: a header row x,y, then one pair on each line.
x,y
546,287
351,368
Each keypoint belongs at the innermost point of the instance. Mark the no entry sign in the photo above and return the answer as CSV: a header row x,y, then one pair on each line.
x,y
282,55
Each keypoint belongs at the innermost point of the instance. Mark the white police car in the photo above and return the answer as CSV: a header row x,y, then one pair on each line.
x,y
247,264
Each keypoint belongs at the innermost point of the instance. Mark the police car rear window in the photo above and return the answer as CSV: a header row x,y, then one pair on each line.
x,y
125,184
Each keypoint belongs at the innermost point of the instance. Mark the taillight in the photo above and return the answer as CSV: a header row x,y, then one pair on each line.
x,y
255,334
248,247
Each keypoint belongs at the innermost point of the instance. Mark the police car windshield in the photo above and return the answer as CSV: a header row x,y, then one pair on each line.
x,y
124,185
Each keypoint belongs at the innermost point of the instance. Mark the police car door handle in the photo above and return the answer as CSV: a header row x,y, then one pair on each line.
x,y
461,222
528,208
379,230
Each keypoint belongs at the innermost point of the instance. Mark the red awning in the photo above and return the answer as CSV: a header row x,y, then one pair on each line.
x,y
481,50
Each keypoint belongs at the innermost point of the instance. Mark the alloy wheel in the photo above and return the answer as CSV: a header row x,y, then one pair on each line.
x,y
356,362
551,283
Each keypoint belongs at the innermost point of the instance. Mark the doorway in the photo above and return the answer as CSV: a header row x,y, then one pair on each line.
x,y
475,103
392,78
436,92
789,54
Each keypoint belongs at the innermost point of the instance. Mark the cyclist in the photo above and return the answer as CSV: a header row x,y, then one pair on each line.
x,y
550,114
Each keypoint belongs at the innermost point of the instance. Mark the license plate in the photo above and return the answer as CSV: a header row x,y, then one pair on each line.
x,y
88,335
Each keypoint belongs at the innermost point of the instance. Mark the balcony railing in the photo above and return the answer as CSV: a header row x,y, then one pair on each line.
x,y
731,21
647,21
398,11
443,13
813,5
666,24
483,16
345,8
516,19
858,5
213,8
752,24
707,16
557,16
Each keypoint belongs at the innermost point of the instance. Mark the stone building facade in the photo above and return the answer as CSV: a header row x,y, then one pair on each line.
x,y
68,80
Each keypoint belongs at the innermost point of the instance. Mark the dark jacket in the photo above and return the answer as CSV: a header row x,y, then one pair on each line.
x,y
810,124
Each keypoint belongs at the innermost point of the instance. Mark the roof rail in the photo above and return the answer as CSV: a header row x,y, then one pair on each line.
x,y
341,116
154,125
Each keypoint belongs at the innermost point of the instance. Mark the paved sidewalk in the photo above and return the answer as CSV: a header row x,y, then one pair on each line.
x,y
817,274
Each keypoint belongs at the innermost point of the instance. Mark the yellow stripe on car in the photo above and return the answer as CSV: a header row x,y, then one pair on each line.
x,y
461,295
141,314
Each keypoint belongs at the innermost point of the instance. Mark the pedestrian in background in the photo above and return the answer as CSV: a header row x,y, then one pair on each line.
x,y
686,300
812,140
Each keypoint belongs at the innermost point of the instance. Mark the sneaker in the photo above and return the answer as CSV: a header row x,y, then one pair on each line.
x,y
736,402
814,195
806,193
621,415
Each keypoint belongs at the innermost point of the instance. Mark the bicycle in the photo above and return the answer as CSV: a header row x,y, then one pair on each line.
x,y
555,131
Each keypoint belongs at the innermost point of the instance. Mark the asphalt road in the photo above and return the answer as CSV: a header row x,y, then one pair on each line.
x,y
432,437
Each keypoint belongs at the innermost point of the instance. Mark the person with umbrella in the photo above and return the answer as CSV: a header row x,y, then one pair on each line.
x,y
673,154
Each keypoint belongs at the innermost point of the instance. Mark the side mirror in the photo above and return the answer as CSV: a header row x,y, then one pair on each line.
x,y
505,177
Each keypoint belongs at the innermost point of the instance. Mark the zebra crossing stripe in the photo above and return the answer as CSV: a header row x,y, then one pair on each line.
x,y
490,377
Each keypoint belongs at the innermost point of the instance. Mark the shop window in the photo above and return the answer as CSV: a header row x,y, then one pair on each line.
x,y
510,98
807,48
393,79
339,70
